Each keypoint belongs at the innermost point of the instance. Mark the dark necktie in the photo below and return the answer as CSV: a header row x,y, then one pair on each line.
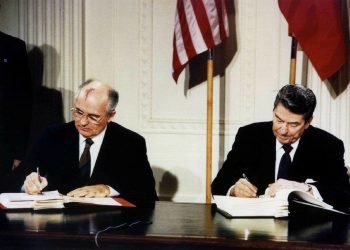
x,y
85,162
285,163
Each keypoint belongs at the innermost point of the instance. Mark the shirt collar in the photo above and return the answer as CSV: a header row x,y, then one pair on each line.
x,y
280,145
97,139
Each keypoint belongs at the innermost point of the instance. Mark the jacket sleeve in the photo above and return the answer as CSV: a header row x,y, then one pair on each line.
x,y
233,167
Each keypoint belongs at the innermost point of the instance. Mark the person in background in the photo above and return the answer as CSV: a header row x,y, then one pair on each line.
x,y
15,105
91,156
287,153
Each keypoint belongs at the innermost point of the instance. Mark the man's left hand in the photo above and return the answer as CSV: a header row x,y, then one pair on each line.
x,y
90,191
285,184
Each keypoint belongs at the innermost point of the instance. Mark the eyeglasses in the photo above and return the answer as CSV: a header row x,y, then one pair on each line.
x,y
78,114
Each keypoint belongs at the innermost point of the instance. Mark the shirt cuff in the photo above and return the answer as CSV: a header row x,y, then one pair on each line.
x,y
316,193
229,190
112,192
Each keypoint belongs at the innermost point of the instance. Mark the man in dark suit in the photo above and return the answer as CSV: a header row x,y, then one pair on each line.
x,y
259,164
15,103
117,163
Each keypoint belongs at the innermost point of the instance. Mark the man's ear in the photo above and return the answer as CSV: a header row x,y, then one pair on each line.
x,y
309,122
111,116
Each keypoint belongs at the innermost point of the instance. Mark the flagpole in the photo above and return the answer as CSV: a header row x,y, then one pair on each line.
x,y
210,67
293,60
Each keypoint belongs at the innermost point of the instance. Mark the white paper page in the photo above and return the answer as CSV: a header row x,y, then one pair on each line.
x,y
98,201
50,195
252,207
23,200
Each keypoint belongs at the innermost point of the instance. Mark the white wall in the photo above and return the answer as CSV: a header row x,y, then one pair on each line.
x,y
129,44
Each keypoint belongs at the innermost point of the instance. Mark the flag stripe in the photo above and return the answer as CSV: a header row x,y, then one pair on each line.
x,y
194,30
223,20
177,65
199,25
188,46
176,59
179,47
203,22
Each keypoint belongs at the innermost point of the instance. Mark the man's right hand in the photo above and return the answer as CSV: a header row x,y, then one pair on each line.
x,y
34,183
244,188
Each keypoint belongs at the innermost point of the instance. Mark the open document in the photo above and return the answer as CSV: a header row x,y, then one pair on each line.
x,y
267,206
251,207
52,200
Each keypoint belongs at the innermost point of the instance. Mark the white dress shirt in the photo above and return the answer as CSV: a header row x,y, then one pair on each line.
x,y
94,150
279,153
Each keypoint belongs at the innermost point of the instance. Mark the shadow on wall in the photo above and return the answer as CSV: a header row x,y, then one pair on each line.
x,y
166,183
47,101
338,83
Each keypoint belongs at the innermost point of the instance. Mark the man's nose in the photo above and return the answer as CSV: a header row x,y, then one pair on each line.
x,y
84,120
284,128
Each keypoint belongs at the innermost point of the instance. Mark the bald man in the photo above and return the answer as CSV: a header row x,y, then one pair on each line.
x,y
116,163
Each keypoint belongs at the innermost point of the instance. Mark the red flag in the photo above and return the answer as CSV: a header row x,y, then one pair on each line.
x,y
199,26
317,26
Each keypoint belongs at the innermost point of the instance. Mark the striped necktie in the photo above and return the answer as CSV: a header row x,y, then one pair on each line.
x,y
85,162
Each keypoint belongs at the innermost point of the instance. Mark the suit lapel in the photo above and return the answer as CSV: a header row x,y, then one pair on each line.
x,y
72,146
270,156
101,157
301,154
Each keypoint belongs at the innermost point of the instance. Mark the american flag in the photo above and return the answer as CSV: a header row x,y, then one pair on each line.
x,y
199,26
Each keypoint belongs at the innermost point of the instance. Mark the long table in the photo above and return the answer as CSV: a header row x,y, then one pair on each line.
x,y
166,225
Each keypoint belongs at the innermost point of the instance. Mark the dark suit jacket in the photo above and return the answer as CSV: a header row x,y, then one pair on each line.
x,y
15,101
15,105
319,156
121,163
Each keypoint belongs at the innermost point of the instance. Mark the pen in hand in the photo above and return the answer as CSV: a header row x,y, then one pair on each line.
x,y
38,173
252,188
245,177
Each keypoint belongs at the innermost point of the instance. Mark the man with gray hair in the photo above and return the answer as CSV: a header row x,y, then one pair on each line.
x,y
91,156
287,153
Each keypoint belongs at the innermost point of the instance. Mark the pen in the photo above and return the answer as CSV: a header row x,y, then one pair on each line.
x,y
37,171
245,177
